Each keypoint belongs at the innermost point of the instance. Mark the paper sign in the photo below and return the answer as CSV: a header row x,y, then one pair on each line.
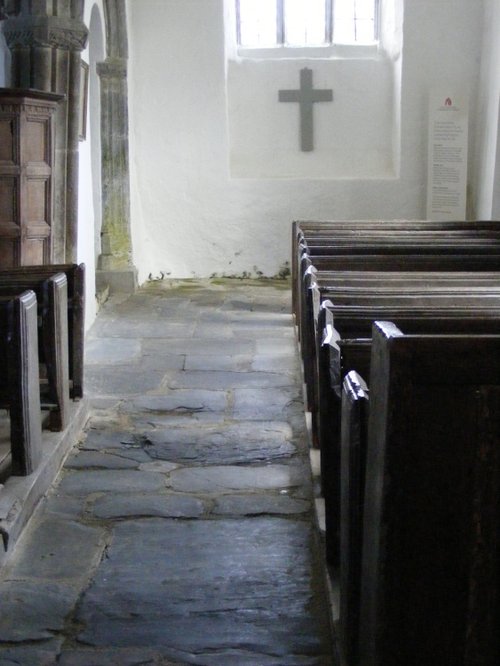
x,y
447,156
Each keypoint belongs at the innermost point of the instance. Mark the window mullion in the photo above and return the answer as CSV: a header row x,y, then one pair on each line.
x,y
376,16
238,22
329,21
280,22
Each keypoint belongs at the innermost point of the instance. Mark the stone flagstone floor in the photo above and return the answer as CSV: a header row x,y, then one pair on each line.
x,y
180,530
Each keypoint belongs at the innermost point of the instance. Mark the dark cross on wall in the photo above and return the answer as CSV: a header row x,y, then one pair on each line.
x,y
306,97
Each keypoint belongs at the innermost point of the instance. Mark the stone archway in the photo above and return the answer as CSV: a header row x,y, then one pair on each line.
x,y
115,266
46,44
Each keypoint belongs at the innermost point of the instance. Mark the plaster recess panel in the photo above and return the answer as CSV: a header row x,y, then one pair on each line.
x,y
352,135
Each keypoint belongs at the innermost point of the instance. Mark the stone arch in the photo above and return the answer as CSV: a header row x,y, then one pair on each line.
x,y
97,46
115,267
4,62
90,156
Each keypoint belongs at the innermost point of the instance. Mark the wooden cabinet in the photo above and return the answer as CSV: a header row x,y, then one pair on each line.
x,y
26,176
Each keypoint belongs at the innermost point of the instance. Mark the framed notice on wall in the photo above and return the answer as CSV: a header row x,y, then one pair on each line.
x,y
447,157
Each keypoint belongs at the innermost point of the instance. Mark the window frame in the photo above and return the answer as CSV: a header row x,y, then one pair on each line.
x,y
329,30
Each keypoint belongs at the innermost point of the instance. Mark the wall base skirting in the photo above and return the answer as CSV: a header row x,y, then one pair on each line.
x,y
119,281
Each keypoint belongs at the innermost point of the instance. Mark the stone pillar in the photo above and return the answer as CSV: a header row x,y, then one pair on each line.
x,y
115,266
46,39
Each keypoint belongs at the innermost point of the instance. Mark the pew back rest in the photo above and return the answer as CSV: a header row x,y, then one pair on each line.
x,y
19,380
431,500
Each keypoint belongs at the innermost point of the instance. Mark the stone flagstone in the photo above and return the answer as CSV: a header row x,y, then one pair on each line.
x,y
179,531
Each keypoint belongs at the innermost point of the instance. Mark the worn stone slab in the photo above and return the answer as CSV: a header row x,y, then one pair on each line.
x,y
135,505
205,379
212,330
64,506
98,439
258,504
147,327
100,460
119,481
247,658
226,478
124,380
244,578
58,550
282,363
162,466
33,610
275,346
147,420
266,404
238,363
272,323
205,347
187,401
114,657
165,362
237,305
102,351
227,443
43,655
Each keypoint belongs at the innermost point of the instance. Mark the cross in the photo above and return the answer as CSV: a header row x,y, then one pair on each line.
x,y
306,97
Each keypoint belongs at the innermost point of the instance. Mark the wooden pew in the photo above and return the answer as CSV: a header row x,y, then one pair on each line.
x,y
354,429
19,380
304,230
354,322
364,237
311,267
430,590
51,294
75,275
322,285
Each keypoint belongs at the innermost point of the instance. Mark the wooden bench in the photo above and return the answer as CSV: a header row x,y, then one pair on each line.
x,y
19,381
322,285
311,267
354,429
367,237
304,231
351,323
51,295
431,546
75,275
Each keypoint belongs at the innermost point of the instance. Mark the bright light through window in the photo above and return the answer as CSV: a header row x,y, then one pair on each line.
x,y
257,23
354,21
268,23
305,22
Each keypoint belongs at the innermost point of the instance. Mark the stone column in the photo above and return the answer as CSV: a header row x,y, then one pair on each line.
x,y
46,51
115,266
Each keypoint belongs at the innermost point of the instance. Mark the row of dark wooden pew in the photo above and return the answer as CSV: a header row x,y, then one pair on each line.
x,y
399,328
41,355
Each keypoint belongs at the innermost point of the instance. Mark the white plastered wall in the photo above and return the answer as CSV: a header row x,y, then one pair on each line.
x,y
89,193
195,211
486,166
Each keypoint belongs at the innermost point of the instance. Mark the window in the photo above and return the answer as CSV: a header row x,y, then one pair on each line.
x,y
302,23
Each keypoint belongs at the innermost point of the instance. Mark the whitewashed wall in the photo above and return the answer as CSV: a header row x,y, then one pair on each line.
x,y
192,211
486,167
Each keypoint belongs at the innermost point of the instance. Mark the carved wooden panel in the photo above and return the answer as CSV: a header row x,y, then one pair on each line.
x,y
8,192
26,178
37,140
7,147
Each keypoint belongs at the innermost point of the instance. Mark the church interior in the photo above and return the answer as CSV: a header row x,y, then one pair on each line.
x,y
250,346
